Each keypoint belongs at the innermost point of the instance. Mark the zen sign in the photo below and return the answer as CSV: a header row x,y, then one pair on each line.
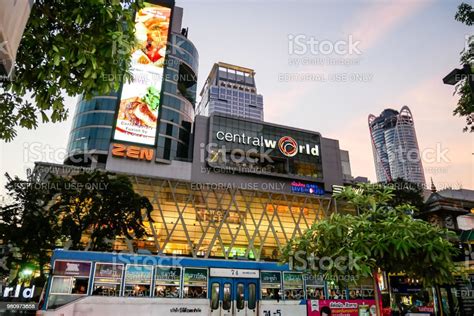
x,y
234,273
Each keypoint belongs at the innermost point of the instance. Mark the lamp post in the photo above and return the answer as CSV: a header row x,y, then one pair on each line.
x,y
457,75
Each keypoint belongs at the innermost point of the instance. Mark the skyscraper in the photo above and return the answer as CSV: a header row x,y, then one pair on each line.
x,y
395,147
231,89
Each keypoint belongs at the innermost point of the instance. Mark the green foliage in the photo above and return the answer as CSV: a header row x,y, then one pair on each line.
x,y
100,205
68,47
27,228
380,237
465,106
405,192
87,210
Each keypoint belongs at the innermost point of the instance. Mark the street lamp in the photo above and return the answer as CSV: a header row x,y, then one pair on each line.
x,y
457,75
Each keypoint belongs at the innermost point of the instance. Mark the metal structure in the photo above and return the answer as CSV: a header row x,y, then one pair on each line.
x,y
204,221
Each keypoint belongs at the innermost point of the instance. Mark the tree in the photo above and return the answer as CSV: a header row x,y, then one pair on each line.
x,y
98,207
84,210
380,238
27,228
68,48
406,192
465,106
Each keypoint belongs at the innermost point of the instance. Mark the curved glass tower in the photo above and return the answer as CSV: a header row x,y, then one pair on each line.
x,y
94,120
395,146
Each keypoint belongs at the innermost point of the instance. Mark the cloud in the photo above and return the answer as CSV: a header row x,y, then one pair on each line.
x,y
376,20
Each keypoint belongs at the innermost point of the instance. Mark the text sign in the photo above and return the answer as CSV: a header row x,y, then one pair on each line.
x,y
72,268
234,273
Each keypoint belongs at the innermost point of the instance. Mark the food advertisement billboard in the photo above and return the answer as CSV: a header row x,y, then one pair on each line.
x,y
138,111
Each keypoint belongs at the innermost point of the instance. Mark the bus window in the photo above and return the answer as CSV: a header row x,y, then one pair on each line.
x,y
138,280
79,286
195,283
214,296
252,296
226,304
167,280
240,296
362,290
107,279
314,287
270,284
293,286
61,285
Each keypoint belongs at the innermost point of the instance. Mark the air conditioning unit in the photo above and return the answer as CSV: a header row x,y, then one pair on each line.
x,y
13,17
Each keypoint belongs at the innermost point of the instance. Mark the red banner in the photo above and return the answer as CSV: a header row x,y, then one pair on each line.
x,y
341,307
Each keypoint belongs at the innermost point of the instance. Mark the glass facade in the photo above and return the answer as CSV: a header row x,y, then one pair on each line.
x,y
91,130
179,97
395,146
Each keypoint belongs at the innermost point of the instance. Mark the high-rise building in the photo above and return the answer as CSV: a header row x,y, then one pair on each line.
x,y
395,147
231,90
167,75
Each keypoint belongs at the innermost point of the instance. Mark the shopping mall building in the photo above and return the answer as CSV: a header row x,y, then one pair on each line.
x,y
228,191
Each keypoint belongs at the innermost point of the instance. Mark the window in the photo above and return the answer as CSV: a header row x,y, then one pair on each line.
x,y
107,279
271,284
195,283
60,285
252,296
167,280
240,296
227,301
138,280
214,296
293,286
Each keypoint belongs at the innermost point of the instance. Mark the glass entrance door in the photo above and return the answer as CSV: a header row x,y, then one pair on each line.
x,y
233,297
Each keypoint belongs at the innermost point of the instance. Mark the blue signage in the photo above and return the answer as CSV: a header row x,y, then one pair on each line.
x,y
308,188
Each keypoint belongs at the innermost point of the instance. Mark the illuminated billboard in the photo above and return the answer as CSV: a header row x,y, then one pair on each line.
x,y
138,112
246,146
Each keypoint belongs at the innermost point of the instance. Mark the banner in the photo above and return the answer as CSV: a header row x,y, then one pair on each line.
x,y
138,274
108,273
137,117
341,308
72,268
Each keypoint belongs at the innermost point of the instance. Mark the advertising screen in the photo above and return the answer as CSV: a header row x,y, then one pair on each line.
x,y
137,117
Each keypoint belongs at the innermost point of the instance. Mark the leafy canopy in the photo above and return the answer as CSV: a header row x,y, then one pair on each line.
x,y
465,106
68,48
380,237
87,210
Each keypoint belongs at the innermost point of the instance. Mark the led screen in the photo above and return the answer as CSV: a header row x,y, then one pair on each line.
x,y
140,99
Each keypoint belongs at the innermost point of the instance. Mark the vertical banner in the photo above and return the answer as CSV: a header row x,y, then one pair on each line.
x,y
140,99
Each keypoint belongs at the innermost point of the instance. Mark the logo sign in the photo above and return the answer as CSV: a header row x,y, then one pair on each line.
x,y
17,291
308,188
288,146
234,273
137,117
132,152
72,268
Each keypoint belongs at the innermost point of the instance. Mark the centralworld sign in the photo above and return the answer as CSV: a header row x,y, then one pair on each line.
x,y
287,145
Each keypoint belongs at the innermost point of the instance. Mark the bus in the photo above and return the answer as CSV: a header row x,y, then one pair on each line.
x,y
101,283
